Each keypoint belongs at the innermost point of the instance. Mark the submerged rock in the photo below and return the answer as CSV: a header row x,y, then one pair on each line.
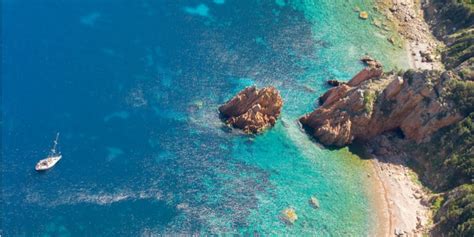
x,y
391,39
289,215
370,62
314,202
308,89
253,110
377,23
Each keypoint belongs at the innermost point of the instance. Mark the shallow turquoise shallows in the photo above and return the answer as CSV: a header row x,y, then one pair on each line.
x,y
134,86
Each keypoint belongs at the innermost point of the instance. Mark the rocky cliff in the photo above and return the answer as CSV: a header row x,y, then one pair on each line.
x,y
252,109
414,103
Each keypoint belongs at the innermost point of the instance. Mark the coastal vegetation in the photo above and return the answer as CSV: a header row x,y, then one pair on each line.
x,y
369,98
447,163
455,216
462,93
460,48
447,160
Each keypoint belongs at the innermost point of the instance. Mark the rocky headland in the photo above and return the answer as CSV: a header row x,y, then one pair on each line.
x,y
415,104
253,110
417,120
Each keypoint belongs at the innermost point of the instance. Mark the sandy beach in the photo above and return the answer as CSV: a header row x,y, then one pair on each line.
x,y
400,200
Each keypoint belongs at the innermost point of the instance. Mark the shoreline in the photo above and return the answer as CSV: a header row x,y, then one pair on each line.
x,y
382,214
407,19
399,199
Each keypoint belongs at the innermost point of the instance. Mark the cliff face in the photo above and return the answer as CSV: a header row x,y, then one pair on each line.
x,y
370,105
253,110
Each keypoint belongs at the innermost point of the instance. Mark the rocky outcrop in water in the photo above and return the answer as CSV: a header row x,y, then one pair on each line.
x,y
252,109
370,104
370,62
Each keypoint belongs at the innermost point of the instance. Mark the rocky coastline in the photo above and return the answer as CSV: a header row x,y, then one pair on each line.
x,y
416,126
416,123
439,39
444,160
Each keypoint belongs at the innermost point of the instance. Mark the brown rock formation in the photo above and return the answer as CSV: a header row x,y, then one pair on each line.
x,y
364,108
364,75
334,94
253,110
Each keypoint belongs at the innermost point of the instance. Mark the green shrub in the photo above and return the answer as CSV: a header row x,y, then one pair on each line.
x,y
437,203
455,217
462,93
456,162
369,99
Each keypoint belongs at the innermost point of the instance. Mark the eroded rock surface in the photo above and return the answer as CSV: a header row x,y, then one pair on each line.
x,y
252,109
371,104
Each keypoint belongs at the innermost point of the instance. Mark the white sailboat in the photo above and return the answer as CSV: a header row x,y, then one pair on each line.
x,y
51,160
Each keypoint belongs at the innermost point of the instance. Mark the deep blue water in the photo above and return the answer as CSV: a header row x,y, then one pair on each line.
x,y
133,87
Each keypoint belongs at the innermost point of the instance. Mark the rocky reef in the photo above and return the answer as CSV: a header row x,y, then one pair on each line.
x,y
253,110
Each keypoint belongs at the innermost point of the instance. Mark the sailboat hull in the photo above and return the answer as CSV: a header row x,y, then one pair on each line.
x,y
48,163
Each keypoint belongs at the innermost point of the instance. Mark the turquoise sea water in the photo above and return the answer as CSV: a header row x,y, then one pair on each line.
x,y
134,87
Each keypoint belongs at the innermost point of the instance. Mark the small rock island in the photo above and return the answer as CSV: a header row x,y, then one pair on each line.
x,y
253,110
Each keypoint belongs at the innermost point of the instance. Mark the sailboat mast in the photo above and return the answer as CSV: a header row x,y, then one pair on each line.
x,y
55,144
